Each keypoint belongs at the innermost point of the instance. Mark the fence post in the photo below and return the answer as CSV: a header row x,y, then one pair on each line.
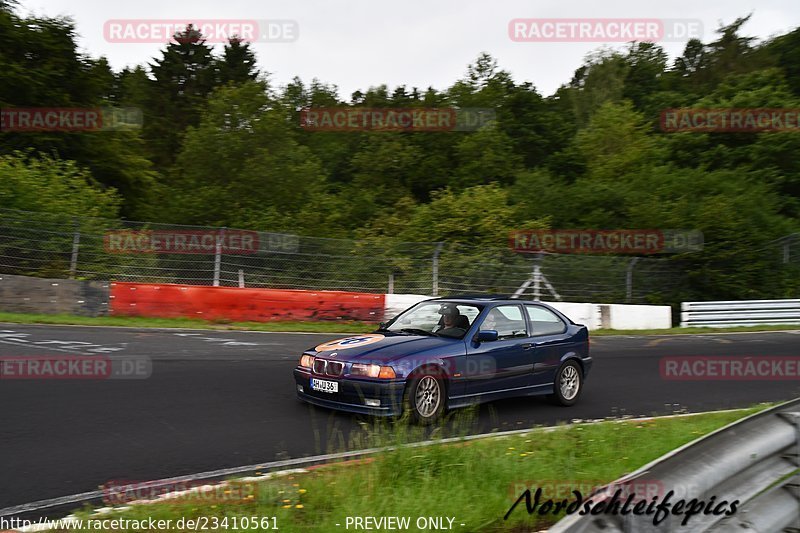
x,y
390,290
241,278
218,256
436,253
629,280
76,243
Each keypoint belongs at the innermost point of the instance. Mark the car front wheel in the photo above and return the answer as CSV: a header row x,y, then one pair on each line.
x,y
426,398
568,385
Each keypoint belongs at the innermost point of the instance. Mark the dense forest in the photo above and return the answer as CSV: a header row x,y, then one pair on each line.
x,y
221,145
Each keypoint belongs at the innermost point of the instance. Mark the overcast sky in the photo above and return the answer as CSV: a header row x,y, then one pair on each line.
x,y
356,44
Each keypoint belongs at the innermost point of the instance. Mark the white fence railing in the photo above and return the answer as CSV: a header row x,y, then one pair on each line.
x,y
740,313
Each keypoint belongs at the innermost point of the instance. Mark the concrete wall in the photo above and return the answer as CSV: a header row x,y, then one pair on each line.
x,y
586,314
618,316
24,294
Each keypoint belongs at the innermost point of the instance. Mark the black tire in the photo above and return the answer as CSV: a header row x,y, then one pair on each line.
x,y
564,394
425,397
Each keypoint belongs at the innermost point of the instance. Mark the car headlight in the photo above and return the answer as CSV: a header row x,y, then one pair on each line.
x,y
372,371
306,361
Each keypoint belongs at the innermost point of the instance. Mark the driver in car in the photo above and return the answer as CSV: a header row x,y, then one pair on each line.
x,y
453,322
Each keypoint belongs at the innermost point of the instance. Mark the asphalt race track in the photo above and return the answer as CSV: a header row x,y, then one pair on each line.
x,y
224,399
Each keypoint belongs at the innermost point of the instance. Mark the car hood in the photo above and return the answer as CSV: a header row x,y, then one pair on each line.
x,y
379,348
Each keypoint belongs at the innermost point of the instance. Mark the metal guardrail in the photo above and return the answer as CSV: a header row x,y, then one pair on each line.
x,y
740,313
754,460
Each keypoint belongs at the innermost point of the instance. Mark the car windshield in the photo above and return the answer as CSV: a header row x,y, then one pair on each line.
x,y
439,318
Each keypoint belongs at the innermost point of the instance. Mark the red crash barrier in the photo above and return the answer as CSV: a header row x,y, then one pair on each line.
x,y
233,303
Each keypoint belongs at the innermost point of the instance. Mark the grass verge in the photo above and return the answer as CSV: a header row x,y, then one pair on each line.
x,y
339,326
474,482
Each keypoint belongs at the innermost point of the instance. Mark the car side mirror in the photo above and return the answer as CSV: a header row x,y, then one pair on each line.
x,y
487,335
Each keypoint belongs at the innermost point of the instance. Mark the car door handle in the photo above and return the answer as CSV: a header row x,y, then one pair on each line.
x,y
528,345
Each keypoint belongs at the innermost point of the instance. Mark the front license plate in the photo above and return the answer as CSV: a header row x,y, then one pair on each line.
x,y
322,385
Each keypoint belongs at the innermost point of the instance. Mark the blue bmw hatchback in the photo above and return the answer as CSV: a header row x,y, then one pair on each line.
x,y
447,353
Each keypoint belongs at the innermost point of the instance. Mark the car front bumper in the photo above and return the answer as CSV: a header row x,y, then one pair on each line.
x,y
352,394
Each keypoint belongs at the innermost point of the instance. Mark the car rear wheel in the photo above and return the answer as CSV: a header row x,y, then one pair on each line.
x,y
425,398
568,385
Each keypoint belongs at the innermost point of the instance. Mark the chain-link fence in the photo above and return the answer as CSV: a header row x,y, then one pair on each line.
x,y
57,246
586,278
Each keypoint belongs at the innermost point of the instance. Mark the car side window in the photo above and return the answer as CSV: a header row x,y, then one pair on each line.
x,y
507,320
543,321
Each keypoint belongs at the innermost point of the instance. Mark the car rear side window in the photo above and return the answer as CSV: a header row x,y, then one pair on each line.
x,y
543,321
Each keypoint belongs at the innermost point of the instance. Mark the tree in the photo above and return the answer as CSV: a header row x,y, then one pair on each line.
x,y
616,142
703,66
237,64
42,68
62,194
383,164
30,182
536,126
736,211
647,62
600,80
480,216
183,78
484,157
483,86
242,165
787,51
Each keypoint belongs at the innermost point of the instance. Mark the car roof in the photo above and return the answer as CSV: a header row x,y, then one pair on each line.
x,y
485,299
